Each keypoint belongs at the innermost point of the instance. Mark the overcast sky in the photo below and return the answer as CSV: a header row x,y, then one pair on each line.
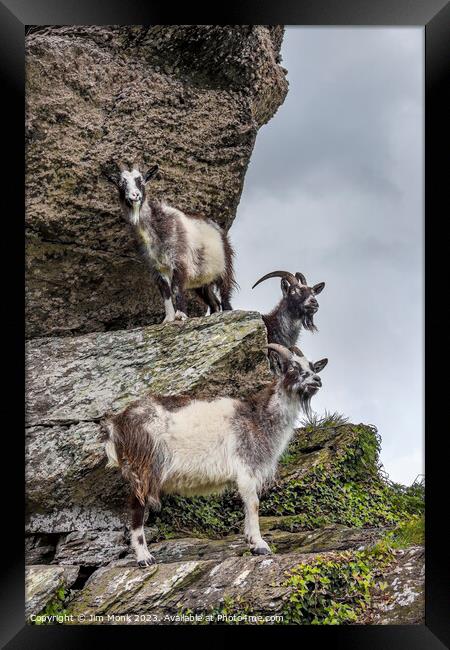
x,y
335,190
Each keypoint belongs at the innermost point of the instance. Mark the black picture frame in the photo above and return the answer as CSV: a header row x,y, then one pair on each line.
x,y
15,15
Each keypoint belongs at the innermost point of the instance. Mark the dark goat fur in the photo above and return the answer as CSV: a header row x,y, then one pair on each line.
x,y
294,311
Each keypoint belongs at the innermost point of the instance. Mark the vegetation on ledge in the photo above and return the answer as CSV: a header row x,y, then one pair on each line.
x,y
330,473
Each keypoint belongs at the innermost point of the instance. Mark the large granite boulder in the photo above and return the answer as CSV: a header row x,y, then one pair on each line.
x,y
190,98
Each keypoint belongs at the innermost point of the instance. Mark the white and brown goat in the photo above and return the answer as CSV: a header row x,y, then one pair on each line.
x,y
182,251
180,445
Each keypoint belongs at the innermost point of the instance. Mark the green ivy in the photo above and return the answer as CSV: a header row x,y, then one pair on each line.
x,y
336,591
350,491
54,608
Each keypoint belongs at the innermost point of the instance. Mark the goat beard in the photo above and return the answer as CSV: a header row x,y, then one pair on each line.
x,y
308,322
305,403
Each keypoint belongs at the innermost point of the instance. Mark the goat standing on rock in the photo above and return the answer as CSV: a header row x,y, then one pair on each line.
x,y
180,445
182,251
296,309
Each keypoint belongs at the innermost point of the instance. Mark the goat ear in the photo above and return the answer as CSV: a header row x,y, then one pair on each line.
x,y
320,365
150,173
317,288
285,286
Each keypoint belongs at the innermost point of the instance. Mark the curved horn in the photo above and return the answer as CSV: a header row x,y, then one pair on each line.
x,y
297,351
282,351
278,274
301,278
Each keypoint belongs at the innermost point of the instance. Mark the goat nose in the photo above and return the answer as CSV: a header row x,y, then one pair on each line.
x,y
318,380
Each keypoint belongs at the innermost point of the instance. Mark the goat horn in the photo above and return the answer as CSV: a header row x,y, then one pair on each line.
x,y
121,165
278,274
282,351
301,278
297,351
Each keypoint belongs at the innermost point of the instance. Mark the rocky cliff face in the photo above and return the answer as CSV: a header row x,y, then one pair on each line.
x,y
190,98
345,541
329,506
329,509
341,536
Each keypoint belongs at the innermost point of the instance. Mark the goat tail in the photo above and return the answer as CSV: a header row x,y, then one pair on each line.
x,y
227,283
138,487
133,450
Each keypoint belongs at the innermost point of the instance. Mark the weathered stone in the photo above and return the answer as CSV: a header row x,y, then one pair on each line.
x,y
85,516
215,582
78,379
91,548
403,600
190,98
164,590
40,549
257,581
42,583
119,589
72,382
323,539
94,548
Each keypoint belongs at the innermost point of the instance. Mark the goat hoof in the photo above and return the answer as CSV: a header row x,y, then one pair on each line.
x,y
261,550
180,315
147,562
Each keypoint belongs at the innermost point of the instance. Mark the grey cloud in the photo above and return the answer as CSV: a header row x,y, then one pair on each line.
x,y
334,189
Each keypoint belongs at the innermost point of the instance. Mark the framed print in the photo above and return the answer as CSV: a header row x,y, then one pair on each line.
x,y
228,252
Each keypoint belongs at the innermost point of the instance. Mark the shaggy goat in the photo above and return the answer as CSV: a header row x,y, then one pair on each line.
x,y
296,309
182,251
180,445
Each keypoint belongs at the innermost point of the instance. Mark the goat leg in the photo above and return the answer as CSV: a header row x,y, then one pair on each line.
x,y
166,293
249,496
178,287
138,541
